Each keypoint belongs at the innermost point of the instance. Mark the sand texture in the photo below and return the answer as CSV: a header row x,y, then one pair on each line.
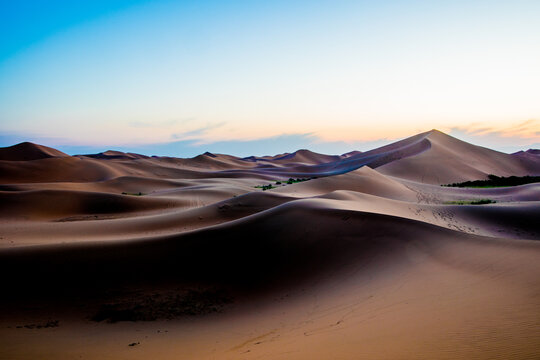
x,y
363,256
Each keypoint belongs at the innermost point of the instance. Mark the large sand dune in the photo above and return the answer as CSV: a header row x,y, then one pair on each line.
x,y
449,160
124,256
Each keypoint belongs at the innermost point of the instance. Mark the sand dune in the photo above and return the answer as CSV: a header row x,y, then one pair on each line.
x,y
112,154
450,160
27,151
306,157
65,204
362,256
364,180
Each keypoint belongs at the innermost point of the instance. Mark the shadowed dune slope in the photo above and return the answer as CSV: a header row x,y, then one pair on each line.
x,y
125,225
341,165
55,204
383,288
57,169
289,239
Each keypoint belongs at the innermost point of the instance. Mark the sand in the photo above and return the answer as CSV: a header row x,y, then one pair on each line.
x,y
124,256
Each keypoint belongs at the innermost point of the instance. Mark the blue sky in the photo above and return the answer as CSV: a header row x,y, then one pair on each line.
x,y
248,77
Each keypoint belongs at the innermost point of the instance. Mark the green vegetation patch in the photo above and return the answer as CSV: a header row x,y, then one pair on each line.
x,y
265,187
471,202
283,183
292,180
497,181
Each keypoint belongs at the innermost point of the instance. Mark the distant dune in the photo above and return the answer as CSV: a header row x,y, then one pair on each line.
x,y
27,151
356,256
306,157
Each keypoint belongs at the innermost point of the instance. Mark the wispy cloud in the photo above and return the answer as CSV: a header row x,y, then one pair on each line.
x,y
197,132
529,129
522,135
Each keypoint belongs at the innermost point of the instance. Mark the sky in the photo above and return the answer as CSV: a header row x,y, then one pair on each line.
x,y
253,77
